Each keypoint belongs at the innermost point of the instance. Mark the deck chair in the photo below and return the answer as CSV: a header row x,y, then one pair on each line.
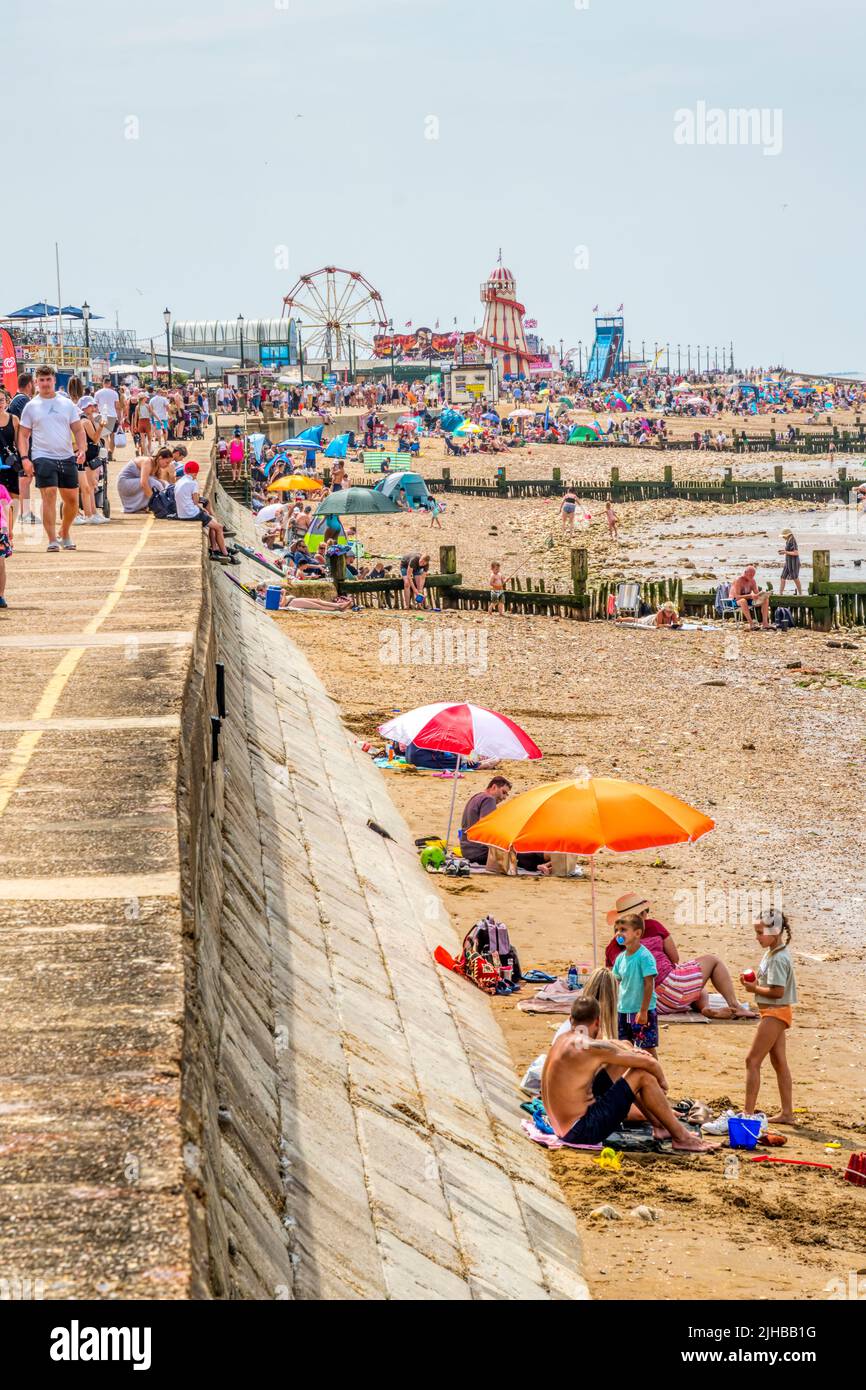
x,y
628,600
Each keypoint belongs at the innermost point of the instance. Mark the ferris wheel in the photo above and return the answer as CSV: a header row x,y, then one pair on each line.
x,y
335,307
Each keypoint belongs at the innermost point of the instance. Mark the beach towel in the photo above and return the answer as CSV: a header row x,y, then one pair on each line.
x,y
553,998
636,1138
553,1141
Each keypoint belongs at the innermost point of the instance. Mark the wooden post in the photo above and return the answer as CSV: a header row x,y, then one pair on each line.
x,y
579,575
822,619
337,566
447,565
446,475
820,567
557,475
669,476
779,478
500,479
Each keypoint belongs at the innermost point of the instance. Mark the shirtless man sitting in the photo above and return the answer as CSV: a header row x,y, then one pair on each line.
x,y
589,1085
749,598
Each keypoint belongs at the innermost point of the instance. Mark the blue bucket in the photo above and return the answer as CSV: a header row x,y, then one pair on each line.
x,y
743,1133
272,596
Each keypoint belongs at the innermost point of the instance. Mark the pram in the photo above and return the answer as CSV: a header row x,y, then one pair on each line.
x,y
192,416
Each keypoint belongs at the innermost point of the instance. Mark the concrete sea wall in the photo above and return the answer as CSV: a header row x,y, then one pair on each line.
x,y
349,1110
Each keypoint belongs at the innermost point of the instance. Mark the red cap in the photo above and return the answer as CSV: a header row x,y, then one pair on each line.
x,y
190,467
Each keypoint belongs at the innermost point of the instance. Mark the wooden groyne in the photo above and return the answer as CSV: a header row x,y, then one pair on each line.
x,y
827,604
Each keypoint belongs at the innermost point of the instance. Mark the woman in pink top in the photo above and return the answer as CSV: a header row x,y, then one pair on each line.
x,y
236,457
680,985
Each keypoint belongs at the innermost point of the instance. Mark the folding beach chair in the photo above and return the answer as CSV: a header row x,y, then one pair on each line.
x,y
730,608
628,600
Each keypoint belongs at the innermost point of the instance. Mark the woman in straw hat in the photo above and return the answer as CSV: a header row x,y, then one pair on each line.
x,y
791,567
680,985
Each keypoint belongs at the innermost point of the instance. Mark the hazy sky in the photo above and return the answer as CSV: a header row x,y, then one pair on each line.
x,y
304,124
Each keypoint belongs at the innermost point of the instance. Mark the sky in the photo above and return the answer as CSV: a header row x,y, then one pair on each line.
x,y
204,156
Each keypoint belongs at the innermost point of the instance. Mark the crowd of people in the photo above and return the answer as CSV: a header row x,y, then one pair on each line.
x,y
57,444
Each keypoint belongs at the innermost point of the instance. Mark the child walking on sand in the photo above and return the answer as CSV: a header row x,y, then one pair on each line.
x,y
775,991
611,520
497,588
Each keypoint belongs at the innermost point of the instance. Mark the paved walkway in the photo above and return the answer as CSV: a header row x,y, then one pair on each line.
x,y
94,650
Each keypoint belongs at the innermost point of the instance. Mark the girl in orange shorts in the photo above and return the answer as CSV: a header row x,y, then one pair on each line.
x,y
775,991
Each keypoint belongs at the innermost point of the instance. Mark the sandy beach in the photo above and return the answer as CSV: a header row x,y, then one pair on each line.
x,y
765,735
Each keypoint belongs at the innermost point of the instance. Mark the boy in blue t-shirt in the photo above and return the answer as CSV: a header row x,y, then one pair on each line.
x,y
635,970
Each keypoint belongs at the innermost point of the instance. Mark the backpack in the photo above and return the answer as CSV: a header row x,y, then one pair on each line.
x,y
162,503
783,618
488,958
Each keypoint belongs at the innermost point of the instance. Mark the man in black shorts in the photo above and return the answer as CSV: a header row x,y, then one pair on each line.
x,y
414,569
52,443
589,1085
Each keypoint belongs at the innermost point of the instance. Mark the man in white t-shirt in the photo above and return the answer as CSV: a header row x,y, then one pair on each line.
x,y
109,409
159,416
49,425
187,503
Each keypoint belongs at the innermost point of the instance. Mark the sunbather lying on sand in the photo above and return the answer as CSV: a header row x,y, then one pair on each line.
x,y
318,605
590,1084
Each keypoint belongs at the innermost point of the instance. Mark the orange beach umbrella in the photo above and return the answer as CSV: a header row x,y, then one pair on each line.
x,y
582,816
296,482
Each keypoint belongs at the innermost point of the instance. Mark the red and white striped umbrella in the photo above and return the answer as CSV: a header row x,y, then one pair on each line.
x,y
461,729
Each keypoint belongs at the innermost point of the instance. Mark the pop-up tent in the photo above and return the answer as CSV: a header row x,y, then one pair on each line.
x,y
412,484
338,448
450,419
584,434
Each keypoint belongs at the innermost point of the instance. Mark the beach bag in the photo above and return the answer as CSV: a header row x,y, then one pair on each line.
x,y
783,618
120,439
488,954
162,504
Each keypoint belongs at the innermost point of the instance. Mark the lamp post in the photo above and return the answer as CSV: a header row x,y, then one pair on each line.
x,y
679,367
300,323
241,338
166,315
580,356
85,312
668,358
